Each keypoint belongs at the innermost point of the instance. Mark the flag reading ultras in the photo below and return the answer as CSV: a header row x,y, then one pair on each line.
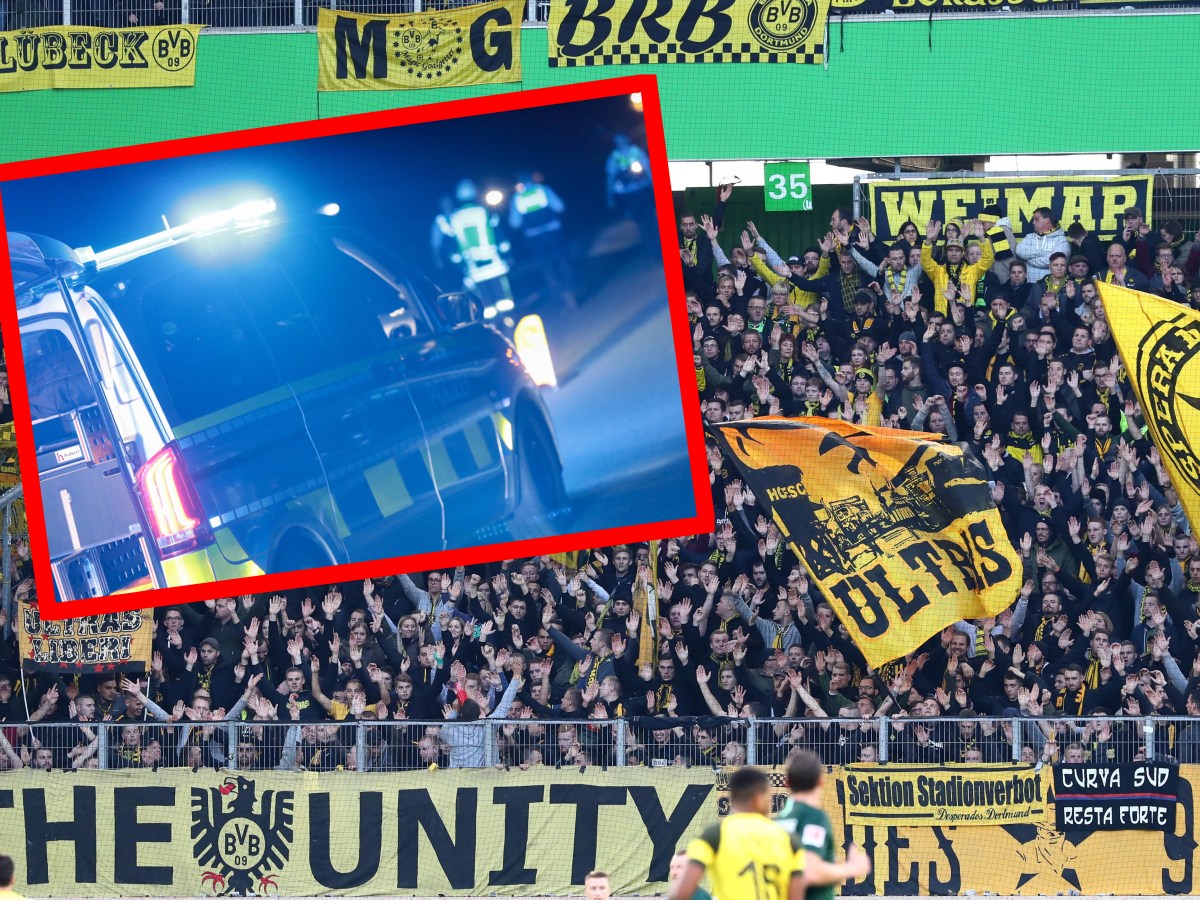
x,y
1159,342
898,528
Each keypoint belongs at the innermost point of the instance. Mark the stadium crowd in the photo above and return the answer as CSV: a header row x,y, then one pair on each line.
x,y
1012,356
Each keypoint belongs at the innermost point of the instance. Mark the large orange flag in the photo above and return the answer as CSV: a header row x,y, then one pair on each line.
x,y
897,528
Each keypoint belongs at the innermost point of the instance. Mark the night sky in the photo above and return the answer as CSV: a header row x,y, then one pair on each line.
x,y
388,182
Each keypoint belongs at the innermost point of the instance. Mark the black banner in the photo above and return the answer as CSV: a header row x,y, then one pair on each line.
x,y
1122,797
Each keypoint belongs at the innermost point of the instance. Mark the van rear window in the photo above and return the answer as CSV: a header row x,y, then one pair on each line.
x,y
54,374
198,347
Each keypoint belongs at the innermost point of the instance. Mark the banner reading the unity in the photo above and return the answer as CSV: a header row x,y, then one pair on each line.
x,y
898,529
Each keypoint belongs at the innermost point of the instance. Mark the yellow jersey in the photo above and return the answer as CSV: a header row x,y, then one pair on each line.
x,y
748,857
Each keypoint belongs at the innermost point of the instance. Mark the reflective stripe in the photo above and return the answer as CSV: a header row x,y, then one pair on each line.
x,y
441,468
479,446
388,488
532,200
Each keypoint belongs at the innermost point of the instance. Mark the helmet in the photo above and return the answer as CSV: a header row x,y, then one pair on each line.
x,y
466,191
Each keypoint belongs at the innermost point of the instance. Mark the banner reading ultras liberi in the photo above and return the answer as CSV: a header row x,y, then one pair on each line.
x,y
478,44
898,530
447,833
111,642
65,56
1097,203
1159,342
600,32
944,795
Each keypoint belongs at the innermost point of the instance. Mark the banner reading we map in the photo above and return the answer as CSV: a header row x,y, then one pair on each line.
x,y
478,44
601,33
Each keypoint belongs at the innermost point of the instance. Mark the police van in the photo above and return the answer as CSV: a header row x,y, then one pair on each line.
x,y
247,394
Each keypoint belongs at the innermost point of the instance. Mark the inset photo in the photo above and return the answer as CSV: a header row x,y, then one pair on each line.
x,y
345,342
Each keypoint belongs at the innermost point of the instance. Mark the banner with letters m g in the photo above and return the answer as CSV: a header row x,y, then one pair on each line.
x,y
479,44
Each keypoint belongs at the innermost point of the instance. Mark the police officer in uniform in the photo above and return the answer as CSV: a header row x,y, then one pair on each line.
x,y
470,234
535,213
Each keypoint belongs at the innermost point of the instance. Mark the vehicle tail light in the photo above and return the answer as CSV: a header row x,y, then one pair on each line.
x,y
171,504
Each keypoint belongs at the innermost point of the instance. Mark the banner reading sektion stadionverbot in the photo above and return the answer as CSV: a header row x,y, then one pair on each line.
x,y
953,795
70,56
479,44
601,33
1098,203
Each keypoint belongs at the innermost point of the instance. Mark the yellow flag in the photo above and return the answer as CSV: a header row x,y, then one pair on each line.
x,y
649,611
897,529
1159,342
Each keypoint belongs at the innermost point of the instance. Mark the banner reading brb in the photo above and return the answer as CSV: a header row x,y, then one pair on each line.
x,y
478,44
599,32
68,56
1159,342
1097,203
899,530
112,642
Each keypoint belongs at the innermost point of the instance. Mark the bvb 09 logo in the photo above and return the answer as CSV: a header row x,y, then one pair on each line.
x,y
429,48
174,49
241,840
782,25
1170,357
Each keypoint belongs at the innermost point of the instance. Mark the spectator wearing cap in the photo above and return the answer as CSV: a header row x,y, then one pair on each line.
x,y
1080,269
1134,231
864,405
954,279
1046,240
840,285
813,264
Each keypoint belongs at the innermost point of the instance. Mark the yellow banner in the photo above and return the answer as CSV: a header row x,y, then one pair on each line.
x,y
478,44
599,32
445,833
899,530
68,56
111,642
1098,203
1159,342
953,795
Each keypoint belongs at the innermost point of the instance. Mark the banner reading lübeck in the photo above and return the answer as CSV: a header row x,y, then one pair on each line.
x,y
898,529
601,33
74,56
1159,341
479,44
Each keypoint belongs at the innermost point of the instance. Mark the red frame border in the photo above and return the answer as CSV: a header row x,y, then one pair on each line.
x,y
52,608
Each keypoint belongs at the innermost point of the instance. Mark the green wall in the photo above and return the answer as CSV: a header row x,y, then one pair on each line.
x,y
997,83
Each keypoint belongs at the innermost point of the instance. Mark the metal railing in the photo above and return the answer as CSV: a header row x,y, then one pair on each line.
x,y
224,14
397,746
